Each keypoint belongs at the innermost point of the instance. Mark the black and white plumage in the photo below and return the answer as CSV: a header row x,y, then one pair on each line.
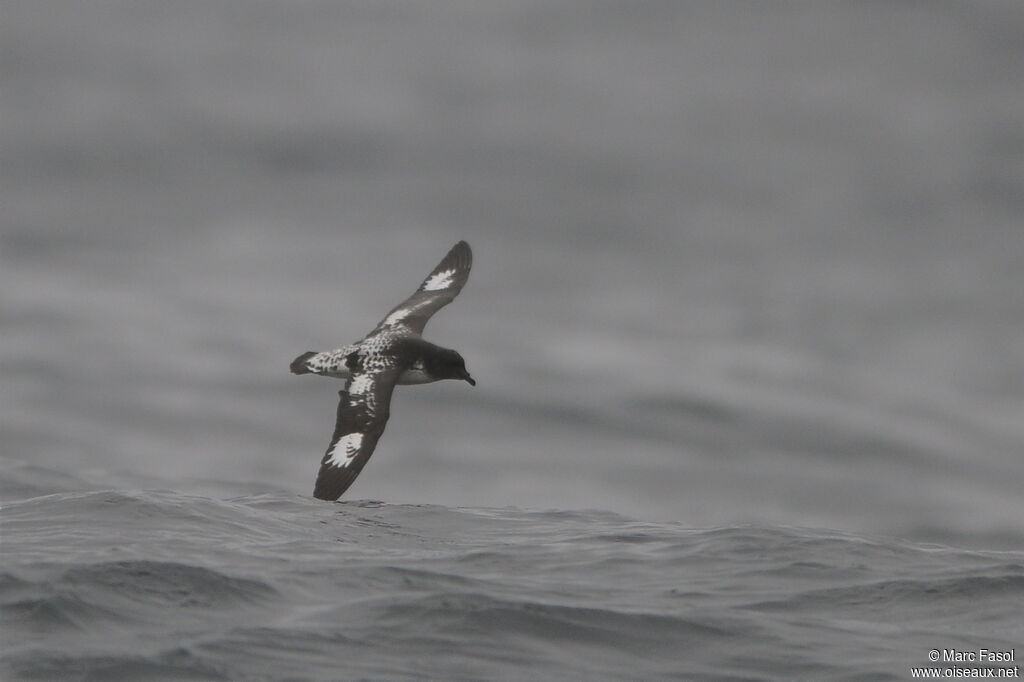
x,y
393,353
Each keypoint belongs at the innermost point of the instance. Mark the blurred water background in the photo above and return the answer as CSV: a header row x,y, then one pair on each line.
x,y
749,268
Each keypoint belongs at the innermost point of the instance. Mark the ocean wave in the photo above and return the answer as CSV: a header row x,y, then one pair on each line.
x,y
162,583
458,614
123,594
906,593
156,584
173,665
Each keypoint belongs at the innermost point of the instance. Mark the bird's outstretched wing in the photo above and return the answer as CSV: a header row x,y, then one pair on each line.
x,y
439,289
363,411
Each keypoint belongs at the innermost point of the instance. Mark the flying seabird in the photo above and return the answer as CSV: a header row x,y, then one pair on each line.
x,y
393,353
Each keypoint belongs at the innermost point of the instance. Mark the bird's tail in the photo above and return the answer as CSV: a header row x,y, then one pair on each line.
x,y
299,366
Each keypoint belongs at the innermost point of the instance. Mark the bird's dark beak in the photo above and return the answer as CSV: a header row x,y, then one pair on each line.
x,y
469,379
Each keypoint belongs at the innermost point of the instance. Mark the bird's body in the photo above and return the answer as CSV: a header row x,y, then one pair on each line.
x,y
393,353
332,364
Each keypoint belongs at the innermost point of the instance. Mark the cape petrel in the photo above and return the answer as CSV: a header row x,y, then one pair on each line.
x,y
393,353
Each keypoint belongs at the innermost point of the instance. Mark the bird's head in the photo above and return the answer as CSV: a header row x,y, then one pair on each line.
x,y
451,365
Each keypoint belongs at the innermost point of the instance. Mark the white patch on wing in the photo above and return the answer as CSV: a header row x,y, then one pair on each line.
x,y
441,280
361,385
348,446
397,316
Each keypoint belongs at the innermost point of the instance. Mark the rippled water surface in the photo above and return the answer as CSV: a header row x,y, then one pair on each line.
x,y
157,585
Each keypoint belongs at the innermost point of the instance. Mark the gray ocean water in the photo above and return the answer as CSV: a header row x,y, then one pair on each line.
x,y
281,587
746,313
